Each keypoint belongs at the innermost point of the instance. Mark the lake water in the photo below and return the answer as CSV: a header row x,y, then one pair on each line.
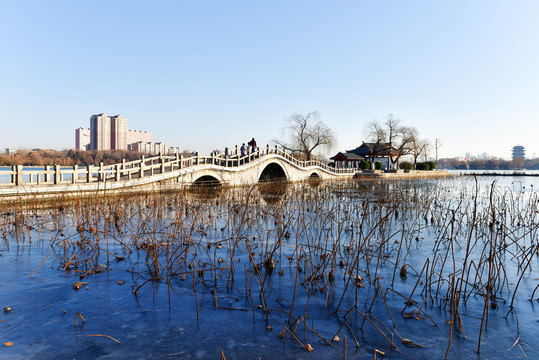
x,y
173,275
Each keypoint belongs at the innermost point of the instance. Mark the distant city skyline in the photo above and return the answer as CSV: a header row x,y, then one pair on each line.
x,y
215,74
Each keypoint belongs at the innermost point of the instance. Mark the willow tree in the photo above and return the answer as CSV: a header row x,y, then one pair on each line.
x,y
397,137
305,134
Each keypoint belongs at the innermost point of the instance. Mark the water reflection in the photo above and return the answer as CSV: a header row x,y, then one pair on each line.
x,y
206,187
272,191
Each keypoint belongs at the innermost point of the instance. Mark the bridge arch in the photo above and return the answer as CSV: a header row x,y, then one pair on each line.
x,y
207,181
314,179
273,172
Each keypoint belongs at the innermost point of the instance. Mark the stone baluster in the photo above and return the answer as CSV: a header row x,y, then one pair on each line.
x,y
56,174
17,176
90,176
75,174
101,175
47,174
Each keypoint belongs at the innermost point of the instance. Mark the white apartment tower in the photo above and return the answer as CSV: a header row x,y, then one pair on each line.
x,y
100,132
118,133
82,138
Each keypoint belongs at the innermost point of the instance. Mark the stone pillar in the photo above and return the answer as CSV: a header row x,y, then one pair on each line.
x,y
47,174
18,175
75,174
56,174
119,171
142,160
89,178
101,176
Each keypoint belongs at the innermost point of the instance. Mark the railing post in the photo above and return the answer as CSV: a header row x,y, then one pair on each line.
x,y
119,171
75,174
56,174
90,176
198,158
18,175
180,162
213,158
142,160
267,149
236,150
162,164
47,175
101,175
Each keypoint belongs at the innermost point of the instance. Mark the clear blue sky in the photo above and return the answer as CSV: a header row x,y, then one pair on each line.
x,y
203,75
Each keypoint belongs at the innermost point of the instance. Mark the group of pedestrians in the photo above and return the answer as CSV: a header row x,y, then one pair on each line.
x,y
251,145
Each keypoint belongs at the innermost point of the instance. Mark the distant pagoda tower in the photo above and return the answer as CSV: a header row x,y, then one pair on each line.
x,y
519,152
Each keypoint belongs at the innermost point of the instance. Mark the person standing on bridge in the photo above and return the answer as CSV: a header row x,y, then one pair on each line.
x,y
242,149
252,144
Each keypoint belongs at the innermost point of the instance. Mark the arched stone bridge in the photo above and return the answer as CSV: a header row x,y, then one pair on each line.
x,y
264,164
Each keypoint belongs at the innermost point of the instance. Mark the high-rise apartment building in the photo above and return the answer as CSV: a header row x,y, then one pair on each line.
x,y
118,132
100,132
82,139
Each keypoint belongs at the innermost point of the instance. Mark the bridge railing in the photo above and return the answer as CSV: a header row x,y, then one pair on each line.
x,y
147,166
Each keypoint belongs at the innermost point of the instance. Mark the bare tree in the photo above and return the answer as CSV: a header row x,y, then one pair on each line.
x,y
437,145
418,148
377,134
426,150
398,138
306,133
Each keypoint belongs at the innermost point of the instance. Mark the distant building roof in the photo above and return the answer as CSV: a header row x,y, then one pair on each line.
x,y
376,149
347,156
